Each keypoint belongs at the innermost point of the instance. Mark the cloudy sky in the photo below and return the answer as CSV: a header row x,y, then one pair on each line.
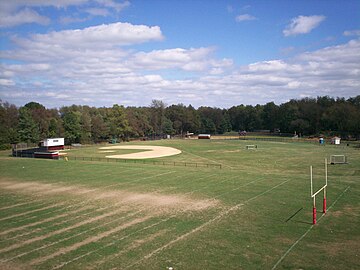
x,y
199,52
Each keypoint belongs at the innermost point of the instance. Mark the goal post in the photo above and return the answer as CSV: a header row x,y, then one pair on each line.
x,y
313,194
338,159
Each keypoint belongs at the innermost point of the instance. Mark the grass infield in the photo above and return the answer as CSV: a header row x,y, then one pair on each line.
x,y
254,213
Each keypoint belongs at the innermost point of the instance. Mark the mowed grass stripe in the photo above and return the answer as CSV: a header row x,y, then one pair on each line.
x,y
36,204
32,211
69,205
33,239
46,220
42,237
95,238
72,221
118,239
113,176
202,226
11,207
192,231
164,184
167,219
102,225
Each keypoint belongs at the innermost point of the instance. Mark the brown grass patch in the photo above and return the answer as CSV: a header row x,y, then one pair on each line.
x,y
346,210
335,249
120,197
14,266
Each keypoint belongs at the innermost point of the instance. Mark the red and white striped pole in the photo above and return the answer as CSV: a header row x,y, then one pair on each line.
x,y
314,211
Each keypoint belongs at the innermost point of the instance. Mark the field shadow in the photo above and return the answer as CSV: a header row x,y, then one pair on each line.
x,y
294,214
296,220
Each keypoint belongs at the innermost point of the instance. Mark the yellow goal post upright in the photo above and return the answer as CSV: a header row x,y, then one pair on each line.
x,y
323,188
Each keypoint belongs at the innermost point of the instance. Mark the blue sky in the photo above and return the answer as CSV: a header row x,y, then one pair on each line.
x,y
204,53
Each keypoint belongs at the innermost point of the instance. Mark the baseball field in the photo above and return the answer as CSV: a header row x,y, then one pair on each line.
x,y
252,210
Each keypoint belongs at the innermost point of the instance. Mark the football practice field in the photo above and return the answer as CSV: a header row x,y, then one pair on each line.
x,y
217,205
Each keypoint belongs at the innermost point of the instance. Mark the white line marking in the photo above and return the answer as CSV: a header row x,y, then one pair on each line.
x,y
301,237
181,237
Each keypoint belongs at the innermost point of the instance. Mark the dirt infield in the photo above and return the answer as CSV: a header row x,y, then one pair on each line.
x,y
150,151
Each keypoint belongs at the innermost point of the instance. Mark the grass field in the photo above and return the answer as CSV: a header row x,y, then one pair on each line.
x,y
253,213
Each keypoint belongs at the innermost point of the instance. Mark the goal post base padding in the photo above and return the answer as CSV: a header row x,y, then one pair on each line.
x,y
314,215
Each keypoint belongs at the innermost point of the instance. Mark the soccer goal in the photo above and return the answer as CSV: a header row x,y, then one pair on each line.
x,y
313,194
338,159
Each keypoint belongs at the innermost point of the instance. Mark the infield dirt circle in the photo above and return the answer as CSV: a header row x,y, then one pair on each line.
x,y
150,151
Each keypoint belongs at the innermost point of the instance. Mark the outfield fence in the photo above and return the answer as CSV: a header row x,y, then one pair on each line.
x,y
150,162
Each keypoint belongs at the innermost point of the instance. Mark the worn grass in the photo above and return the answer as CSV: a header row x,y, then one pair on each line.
x,y
254,213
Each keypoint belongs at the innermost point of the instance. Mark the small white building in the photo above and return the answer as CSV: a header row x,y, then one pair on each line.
x,y
53,143
335,140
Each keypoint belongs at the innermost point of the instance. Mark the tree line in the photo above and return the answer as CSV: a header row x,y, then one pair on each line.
x,y
84,124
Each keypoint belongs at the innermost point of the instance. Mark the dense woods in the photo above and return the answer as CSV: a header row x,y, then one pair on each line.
x,y
84,124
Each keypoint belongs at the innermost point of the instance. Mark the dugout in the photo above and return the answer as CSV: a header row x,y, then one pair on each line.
x,y
204,136
52,144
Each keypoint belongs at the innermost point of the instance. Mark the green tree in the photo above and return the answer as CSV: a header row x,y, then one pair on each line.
x,y
85,122
116,120
270,116
72,126
41,116
28,130
184,119
99,129
288,112
139,121
9,118
53,128
157,116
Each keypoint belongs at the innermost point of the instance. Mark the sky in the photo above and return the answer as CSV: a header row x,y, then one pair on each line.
x,y
217,53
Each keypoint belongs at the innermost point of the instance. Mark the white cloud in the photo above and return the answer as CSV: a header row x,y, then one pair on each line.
x,y
6,82
104,36
91,66
26,15
17,12
230,8
69,20
13,5
98,11
113,4
245,17
352,33
192,60
303,25
172,58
